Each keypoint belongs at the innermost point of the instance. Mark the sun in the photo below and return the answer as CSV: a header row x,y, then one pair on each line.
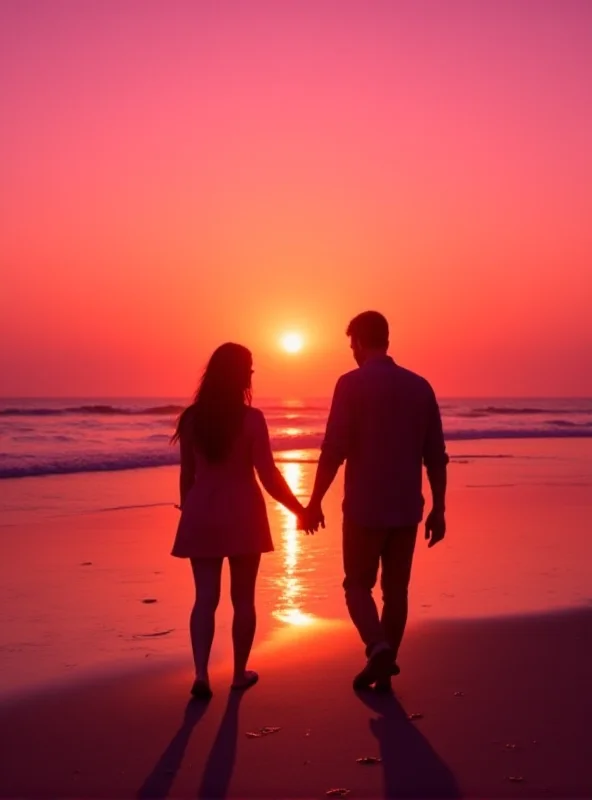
x,y
292,342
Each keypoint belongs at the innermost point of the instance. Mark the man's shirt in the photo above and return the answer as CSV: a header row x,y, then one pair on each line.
x,y
384,423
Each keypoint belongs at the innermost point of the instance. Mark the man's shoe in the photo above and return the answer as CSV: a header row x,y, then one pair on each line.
x,y
383,686
378,668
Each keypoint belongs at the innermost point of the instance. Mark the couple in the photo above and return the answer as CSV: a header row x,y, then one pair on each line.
x,y
384,423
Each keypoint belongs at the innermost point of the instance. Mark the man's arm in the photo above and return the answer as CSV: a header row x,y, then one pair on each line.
x,y
437,477
436,459
334,449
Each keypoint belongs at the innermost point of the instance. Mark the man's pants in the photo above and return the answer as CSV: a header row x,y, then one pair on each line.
x,y
363,550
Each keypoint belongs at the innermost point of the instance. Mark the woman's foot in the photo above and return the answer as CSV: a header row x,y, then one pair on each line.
x,y
245,681
201,690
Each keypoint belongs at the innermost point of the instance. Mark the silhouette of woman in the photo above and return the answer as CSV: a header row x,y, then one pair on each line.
x,y
223,441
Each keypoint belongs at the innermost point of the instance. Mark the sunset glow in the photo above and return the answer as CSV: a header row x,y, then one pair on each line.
x,y
176,175
292,342
215,467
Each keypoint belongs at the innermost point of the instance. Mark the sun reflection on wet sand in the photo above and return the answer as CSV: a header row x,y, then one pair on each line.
x,y
289,605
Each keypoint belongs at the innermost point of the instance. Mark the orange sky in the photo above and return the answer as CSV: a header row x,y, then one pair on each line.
x,y
176,174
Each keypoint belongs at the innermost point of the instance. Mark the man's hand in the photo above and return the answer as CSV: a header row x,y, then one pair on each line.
x,y
312,518
303,522
435,527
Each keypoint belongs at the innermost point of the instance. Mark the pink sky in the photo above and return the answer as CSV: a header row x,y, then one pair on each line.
x,y
176,174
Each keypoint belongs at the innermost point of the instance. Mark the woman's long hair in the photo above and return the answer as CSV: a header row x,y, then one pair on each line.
x,y
215,417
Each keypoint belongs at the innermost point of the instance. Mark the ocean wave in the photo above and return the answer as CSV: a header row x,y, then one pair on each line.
x,y
167,410
90,462
288,411
92,410
567,423
519,411
103,462
285,447
583,431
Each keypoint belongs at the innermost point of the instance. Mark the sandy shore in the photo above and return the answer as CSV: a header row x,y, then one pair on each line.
x,y
85,552
94,680
523,713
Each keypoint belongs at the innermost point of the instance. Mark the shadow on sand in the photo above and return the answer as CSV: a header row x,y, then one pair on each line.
x,y
525,711
411,766
220,762
158,784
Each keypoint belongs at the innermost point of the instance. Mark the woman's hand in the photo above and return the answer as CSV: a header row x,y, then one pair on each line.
x,y
311,518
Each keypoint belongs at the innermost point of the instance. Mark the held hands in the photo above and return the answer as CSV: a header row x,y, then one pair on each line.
x,y
435,527
311,518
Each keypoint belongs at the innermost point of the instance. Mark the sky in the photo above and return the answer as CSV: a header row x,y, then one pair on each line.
x,y
175,174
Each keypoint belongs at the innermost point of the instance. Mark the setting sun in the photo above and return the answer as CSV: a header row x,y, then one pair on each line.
x,y
292,342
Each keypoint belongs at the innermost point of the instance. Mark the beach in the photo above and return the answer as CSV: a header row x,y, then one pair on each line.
x,y
96,662
522,714
350,216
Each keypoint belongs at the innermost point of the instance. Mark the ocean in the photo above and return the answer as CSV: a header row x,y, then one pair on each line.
x,y
48,436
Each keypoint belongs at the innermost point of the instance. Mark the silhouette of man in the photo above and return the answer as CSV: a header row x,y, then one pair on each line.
x,y
384,423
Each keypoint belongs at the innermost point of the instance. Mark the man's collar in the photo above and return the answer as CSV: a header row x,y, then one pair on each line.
x,y
378,359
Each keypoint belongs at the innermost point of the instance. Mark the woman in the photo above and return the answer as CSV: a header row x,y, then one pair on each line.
x,y
223,441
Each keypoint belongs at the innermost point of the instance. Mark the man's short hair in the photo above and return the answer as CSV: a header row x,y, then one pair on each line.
x,y
370,329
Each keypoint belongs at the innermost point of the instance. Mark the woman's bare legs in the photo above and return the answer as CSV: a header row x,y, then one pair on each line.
x,y
243,577
207,573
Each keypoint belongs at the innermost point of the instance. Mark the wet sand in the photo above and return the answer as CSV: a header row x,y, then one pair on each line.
x,y
93,696
85,552
523,714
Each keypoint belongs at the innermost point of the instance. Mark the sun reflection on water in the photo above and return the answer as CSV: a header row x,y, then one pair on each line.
x,y
291,431
289,605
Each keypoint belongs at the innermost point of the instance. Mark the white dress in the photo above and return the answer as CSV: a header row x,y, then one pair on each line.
x,y
224,513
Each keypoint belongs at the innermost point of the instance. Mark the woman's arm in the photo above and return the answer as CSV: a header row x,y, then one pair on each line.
x,y
187,475
272,479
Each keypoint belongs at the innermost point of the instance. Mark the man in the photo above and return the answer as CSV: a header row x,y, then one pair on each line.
x,y
384,423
